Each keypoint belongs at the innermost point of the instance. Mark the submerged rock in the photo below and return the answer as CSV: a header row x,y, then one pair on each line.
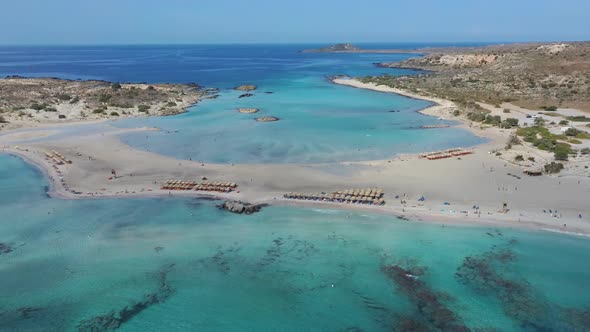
x,y
240,207
5,248
115,318
245,95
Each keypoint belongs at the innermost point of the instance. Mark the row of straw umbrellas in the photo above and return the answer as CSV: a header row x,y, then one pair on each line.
x,y
179,185
225,188
339,198
57,157
219,184
456,152
369,192
60,156
203,186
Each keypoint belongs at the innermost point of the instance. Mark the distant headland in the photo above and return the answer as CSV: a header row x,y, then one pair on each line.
x,y
350,48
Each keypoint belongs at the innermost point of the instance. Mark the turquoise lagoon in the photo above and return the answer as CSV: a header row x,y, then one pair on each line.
x,y
182,264
319,122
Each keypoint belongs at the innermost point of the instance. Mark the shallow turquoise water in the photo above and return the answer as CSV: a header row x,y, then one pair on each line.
x,y
287,269
319,122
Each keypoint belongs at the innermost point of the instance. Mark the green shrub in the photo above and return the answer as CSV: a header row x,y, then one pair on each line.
x,y
477,116
539,122
171,104
98,111
75,100
579,118
64,97
456,113
115,86
519,158
531,159
114,114
104,98
151,88
563,123
143,108
585,151
61,116
3,120
553,167
551,108
50,109
571,132
560,155
493,120
506,110
509,123
37,107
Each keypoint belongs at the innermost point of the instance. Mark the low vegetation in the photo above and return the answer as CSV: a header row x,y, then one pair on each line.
x,y
528,75
541,138
553,168
32,97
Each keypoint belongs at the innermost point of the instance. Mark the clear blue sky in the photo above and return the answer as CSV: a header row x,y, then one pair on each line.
x,y
261,21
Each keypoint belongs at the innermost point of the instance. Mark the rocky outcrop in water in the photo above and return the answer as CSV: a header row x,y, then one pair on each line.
x,y
246,87
267,119
240,207
245,95
248,110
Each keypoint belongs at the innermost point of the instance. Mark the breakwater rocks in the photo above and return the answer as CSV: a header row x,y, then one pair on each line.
x,y
246,87
267,119
240,207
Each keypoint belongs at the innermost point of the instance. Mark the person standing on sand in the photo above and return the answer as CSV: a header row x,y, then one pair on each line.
x,y
114,173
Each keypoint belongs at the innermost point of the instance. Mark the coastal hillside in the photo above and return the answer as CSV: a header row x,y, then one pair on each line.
x,y
42,100
527,75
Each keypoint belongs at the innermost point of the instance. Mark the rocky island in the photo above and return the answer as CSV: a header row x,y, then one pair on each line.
x,y
344,47
248,110
246,87
267,119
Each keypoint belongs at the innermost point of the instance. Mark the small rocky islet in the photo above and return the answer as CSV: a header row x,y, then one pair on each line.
x,y
267,119
248,110
246,87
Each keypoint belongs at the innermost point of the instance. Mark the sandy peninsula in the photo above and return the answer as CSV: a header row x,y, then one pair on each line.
x,y
469,190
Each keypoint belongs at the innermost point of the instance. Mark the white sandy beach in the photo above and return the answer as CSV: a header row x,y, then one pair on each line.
x,y
480,179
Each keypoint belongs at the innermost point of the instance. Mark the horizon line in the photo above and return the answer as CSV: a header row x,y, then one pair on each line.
x,y
290,43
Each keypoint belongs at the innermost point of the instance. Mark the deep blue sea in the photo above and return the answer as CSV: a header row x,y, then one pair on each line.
x,y
174,264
